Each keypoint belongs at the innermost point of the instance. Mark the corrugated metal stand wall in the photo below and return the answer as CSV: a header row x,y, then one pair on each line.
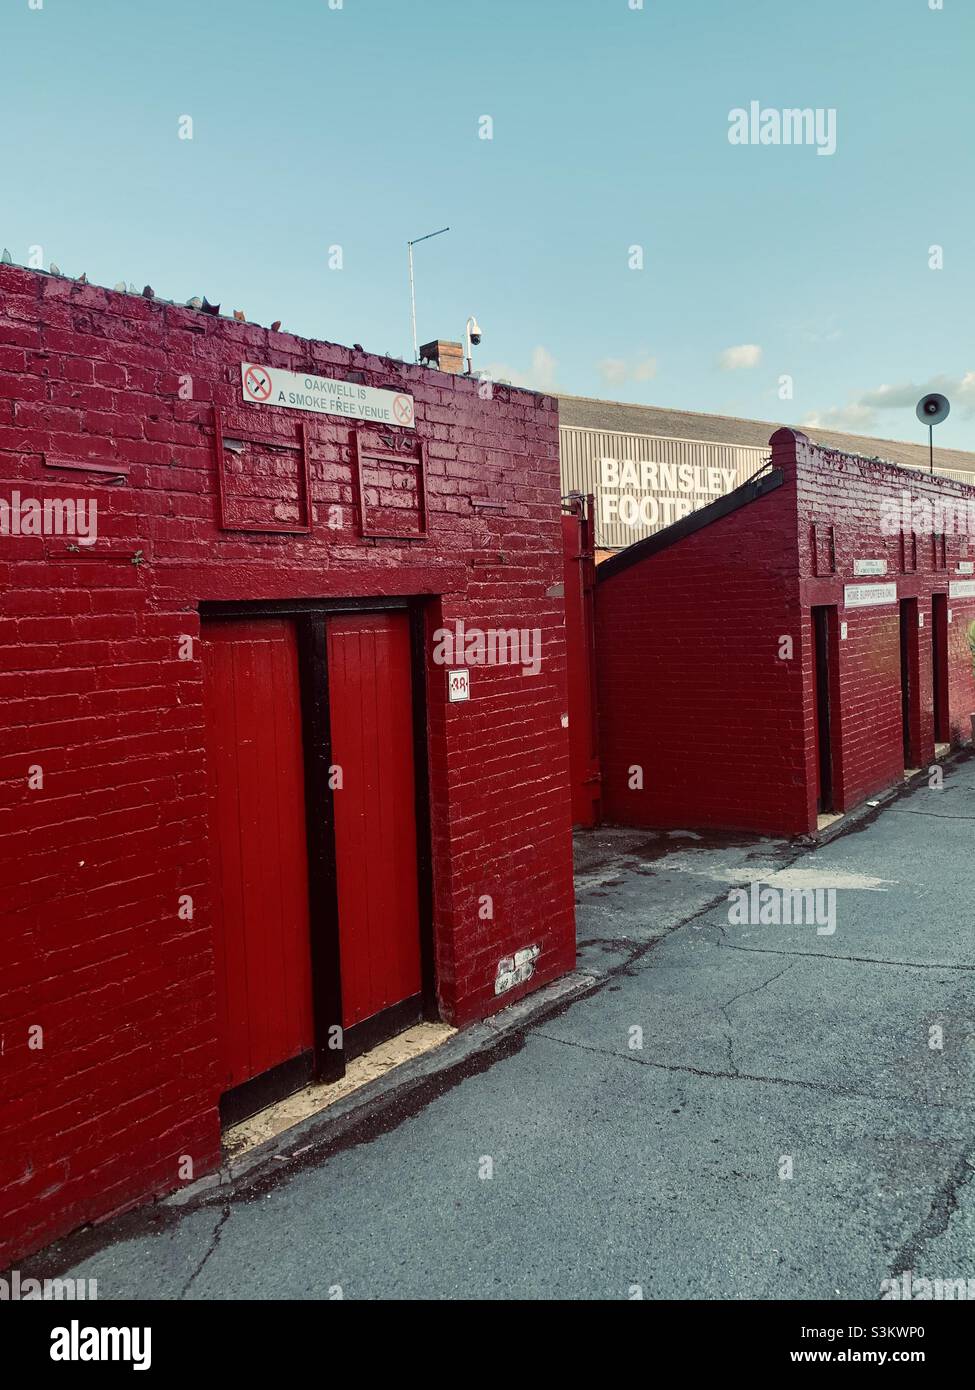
x,y
582,450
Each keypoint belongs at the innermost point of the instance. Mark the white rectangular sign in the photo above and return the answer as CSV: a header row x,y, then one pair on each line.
x,y
869,595
458,685
966,566
962,588
324,395
865,567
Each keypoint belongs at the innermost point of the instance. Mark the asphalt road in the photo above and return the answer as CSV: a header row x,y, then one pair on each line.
x,y
662,1168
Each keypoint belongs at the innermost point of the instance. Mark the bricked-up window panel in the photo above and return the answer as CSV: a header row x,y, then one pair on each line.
x,y
391,492
823,542
939,552
263,483
908,549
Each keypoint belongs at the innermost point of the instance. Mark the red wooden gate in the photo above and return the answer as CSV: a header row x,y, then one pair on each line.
x,y
371,716
580,578
258,846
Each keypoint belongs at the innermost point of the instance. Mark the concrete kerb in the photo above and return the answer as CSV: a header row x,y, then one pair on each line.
x,y
862,815
329,1125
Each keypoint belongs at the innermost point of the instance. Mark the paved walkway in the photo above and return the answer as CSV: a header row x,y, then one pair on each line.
x,y
765,1049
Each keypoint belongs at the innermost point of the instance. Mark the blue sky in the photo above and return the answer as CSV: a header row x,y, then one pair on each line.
x,y
358,127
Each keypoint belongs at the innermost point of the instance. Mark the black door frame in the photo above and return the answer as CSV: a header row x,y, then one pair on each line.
x,y
329,1062
910,666
824,622
940,672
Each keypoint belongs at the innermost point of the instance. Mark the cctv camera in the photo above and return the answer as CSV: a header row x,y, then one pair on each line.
x,y
474,329
932,409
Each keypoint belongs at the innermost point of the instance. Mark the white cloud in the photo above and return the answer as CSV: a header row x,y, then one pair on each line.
x,y
612,370
543,369
540,376
733,359
852,419
860,414
825,331
959,390
616,370
645,370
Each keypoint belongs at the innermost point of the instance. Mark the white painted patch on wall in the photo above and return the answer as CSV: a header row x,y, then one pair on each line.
x,y
516,969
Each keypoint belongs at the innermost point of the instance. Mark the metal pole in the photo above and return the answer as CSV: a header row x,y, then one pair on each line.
x,y
931,446
410,245
416,350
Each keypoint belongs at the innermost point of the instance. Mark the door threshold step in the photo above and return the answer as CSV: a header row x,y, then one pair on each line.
x,y
267,1124
829,818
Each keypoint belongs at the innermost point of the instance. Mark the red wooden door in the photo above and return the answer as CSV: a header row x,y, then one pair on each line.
x,y
371,716
258,848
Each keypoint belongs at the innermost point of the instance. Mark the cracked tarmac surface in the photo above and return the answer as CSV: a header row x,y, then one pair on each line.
x,y
658,1166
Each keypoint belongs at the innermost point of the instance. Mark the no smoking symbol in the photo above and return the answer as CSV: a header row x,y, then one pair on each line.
x,y
258,383
403,410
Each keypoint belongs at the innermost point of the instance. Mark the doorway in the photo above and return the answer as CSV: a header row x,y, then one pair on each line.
x,y
910,694
823,624
259,865
319,827
371,725
939,665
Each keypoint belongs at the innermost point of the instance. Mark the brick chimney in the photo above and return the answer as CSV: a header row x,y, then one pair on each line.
x,y
449,357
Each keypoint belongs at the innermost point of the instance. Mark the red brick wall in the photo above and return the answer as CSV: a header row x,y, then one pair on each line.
x,y
691,685
93,691
850,496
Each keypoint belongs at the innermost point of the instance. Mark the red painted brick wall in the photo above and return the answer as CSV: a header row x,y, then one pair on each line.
x,y
93,692
850,495
691,685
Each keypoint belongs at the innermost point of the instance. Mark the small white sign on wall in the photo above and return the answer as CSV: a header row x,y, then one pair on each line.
x,y
869,595
458,685
866,567
966,566
962,588
325,395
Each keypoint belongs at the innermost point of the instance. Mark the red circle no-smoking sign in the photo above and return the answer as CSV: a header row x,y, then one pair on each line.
x,y
257,383
403,410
